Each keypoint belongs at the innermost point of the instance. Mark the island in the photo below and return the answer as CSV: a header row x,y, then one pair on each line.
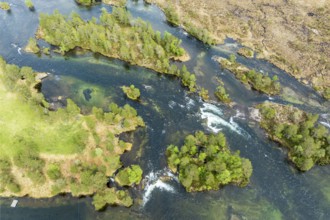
x,y
293,35
29,4
118,3
307,142
222,94
258,81
118,35
131,92
4,6
44,153
205,162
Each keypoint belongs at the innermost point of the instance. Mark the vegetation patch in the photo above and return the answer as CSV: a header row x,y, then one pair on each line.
x,y
131,92
205,162
222,94
4,6
292,35
44,153
32,46
246,52
129,176
308,142
29,4
120,36
258,81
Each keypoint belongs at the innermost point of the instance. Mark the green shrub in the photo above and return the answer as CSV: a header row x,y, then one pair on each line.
x,y
129,176
54,171
131,92
29,4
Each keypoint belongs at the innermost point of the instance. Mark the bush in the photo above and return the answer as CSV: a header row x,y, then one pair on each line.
x,y
29,4
129,176
131,92
54,171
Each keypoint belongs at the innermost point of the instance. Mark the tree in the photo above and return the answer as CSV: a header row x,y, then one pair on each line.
x,y
29,4
131,92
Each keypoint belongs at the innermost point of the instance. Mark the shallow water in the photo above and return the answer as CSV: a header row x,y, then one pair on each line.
x,y
276,191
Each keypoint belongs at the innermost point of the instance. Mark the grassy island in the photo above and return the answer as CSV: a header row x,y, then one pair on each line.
x,y
308,142
120,36
131,92
205,162
29,4
44,153
258,81
32,46
4,6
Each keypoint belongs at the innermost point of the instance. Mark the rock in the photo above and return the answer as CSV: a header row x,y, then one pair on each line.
x,y
41,76
255,114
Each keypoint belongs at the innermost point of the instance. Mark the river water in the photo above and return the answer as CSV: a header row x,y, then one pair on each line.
x,y
277,190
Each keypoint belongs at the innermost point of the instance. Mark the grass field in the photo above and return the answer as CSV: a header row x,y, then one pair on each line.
x,y
19,122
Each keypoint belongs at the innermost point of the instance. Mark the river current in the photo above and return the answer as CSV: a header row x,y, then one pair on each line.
x,y
276,191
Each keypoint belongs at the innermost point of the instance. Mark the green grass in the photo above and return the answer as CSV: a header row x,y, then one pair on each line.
x,y
19,121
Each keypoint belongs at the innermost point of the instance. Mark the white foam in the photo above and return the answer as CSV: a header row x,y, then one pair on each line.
x,y
190,102
171,104
147,87
19,51
325,124
240,115
154,181
216,123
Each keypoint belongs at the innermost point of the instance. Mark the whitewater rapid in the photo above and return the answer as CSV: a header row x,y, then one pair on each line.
x,y
215,121
154,180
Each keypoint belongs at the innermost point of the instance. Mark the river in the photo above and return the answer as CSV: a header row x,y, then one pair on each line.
x,y
276,191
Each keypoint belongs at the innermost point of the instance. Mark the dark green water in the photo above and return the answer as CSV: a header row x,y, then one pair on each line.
x,y
276,191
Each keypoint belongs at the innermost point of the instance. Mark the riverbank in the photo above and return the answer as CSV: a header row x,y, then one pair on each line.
x,y
292,35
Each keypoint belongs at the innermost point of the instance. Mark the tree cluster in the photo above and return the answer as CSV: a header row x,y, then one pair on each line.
x,y
258,81
28,159
4,6
131,92
222,94
86,2
201,34
29,4
205,162
116,35
129,176
7,180
307,141
111,196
